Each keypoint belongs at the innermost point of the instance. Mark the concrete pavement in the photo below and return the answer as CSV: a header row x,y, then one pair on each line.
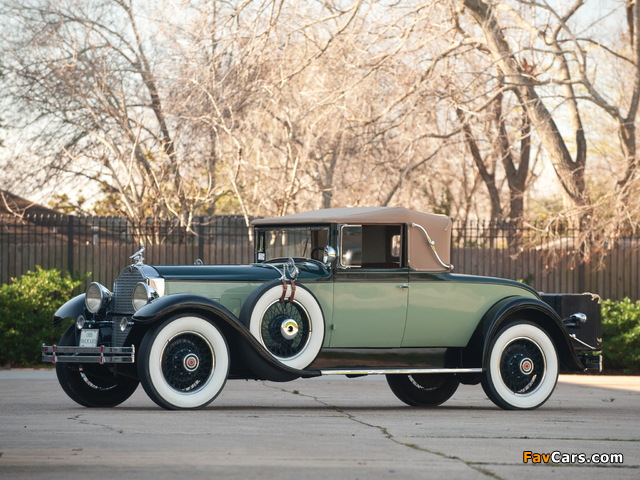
x,y
320,428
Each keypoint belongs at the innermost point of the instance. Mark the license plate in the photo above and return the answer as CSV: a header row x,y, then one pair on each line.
x,y
89,338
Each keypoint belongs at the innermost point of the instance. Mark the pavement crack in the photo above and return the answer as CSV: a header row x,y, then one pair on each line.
x,y
389,436
82,421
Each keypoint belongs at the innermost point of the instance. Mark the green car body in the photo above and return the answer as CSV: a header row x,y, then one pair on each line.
x,y
340,291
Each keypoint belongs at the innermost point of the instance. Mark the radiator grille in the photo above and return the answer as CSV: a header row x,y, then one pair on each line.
x,y
122,293
118,335
123,290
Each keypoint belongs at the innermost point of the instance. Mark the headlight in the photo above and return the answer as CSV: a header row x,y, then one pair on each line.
x,y
97,297
142,295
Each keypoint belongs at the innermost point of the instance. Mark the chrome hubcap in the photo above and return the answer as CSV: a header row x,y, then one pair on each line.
x,y
191,362
526,366
289,329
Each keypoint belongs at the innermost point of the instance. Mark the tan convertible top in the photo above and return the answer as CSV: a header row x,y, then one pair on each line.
x,y
420,255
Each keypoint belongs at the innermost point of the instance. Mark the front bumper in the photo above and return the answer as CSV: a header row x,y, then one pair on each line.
x,y
100,355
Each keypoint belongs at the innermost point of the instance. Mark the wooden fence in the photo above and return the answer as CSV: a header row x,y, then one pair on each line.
x,y
616,278
101,246
547,260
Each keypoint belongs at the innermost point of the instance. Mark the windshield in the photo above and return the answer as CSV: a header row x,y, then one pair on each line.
x,y
301,242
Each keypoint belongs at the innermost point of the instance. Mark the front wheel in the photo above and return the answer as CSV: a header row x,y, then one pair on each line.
x,y
523,367
92,385
183,363
423,390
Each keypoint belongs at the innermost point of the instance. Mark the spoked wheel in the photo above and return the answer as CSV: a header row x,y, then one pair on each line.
x,y
92,385
523,367
285,329
183,363
292,331
423,390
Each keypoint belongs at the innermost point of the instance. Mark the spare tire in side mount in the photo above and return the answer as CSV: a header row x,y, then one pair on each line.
x,y
292,332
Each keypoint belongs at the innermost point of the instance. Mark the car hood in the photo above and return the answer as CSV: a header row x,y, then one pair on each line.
x,y
261,272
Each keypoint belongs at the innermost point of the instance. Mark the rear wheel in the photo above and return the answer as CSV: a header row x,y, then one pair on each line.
x,y
522,369
183,363
92,385
423,390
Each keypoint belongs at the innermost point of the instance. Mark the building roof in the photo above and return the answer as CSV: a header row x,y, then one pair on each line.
x,y
13,204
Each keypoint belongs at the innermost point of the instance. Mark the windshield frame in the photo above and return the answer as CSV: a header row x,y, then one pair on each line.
x,y
284,243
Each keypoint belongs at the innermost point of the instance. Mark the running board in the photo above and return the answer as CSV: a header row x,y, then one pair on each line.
x,y
394,371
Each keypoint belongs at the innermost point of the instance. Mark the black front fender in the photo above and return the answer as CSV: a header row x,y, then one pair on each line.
x,y
232,328
172,304
71,309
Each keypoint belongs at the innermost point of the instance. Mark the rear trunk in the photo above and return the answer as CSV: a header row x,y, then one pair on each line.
x,y
586,336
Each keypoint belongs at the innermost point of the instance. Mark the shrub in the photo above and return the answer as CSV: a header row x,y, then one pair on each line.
x,y
621,335
27,305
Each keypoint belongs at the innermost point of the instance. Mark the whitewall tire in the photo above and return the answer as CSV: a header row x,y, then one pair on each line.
x,y
183,363
292,332
522,369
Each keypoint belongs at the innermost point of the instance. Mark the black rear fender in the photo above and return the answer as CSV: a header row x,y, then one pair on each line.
x,y
514,309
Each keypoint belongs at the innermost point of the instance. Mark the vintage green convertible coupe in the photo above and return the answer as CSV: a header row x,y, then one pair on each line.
x,y
349,291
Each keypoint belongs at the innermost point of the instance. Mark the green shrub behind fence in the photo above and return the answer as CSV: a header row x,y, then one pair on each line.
x,y
27,305
621,335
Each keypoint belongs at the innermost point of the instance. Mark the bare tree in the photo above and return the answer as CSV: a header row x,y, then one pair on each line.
x,y
261,106
267,107
500,150
98,106
518,74
548,56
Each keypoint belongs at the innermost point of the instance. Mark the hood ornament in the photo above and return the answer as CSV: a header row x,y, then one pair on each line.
x,y
137,257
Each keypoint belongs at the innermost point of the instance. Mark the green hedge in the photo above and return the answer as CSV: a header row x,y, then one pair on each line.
x,y
621,336
27,305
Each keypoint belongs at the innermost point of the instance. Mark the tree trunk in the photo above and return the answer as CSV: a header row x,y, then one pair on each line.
x,y
570,172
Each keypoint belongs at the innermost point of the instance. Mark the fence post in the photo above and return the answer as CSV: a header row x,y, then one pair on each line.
x,y
201,238
70,245
582,271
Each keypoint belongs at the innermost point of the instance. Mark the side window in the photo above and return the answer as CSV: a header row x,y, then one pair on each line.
x,y
371,246
351,246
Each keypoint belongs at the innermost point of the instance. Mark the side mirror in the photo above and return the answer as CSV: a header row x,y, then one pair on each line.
x,y
329,255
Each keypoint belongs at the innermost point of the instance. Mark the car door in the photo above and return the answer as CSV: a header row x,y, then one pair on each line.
x,y
370,288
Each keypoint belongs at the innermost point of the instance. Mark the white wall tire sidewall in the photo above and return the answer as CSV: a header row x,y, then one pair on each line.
x,y
316,320
544,390
216,381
